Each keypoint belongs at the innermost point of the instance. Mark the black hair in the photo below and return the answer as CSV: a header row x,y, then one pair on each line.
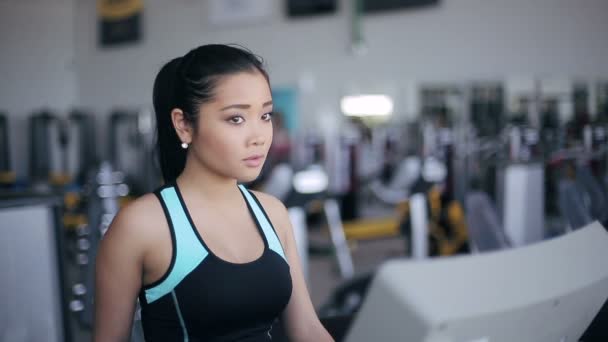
x,y
186,83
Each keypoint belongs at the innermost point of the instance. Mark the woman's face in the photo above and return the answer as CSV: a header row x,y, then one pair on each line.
x,y
234,130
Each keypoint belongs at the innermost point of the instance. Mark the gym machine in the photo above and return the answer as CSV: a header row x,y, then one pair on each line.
x,y
105,188
61,148
309,194
550,291
33,296
132,150
7,175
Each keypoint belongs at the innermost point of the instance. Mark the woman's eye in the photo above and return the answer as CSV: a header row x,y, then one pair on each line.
x,y
267,116
236,119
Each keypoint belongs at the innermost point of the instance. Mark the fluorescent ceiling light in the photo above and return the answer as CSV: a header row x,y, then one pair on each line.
x,y
367,105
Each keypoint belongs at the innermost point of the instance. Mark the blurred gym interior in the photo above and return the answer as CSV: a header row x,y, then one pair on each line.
x,y
444,163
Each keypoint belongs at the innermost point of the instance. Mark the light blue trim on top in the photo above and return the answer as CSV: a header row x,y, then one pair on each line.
x,y
271,236
179,315
189,252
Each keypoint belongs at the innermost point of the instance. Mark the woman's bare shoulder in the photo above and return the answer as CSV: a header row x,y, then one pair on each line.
x,y
140,220
275,209
270,203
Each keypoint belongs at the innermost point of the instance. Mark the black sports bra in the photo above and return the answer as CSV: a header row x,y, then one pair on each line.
x,y
204,298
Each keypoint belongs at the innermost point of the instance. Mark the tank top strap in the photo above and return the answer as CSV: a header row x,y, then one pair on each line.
x,y
274,243
187,251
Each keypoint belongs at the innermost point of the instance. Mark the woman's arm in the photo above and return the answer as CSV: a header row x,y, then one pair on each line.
x,y
300,319
118,273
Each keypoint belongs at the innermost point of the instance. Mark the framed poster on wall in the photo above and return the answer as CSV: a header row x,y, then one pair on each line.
x,y
237,12
305,8
119,21
373,6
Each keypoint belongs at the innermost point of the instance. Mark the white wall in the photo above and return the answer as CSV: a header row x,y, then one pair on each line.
x,y
36,65
459,40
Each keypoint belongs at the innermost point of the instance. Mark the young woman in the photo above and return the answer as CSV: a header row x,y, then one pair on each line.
x,y
209,259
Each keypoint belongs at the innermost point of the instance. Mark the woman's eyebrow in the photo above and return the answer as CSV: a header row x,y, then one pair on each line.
x,y
244,106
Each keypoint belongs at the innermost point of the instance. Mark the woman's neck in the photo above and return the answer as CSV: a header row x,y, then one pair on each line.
x,y
206,184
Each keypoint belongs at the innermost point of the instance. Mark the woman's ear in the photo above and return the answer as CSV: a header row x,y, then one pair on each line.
x,y
181,125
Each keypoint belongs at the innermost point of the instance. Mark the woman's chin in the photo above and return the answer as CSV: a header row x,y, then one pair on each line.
x,y
248,178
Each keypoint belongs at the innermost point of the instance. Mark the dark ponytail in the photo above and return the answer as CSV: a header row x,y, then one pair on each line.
x,y
186,83
171,156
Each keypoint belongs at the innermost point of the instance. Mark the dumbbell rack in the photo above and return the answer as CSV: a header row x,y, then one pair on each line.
x,y
106,186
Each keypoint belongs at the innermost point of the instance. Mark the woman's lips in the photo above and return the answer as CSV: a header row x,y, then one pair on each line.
x,y
254,161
